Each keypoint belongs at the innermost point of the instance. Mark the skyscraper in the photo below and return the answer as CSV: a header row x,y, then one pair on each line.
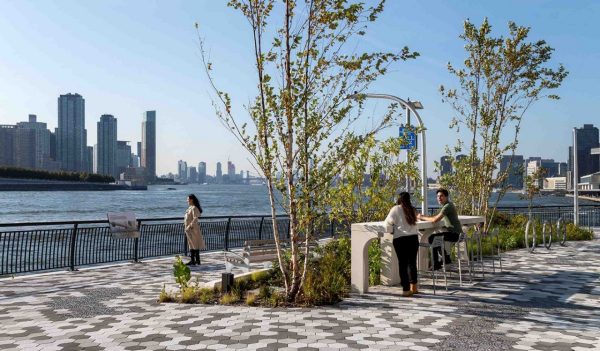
x,y
219,174
192,175
123,157
231,171
7,140
106,154
182,170
445,165
202,172
24,148
514,178
32,144
71,133
587,139
149,144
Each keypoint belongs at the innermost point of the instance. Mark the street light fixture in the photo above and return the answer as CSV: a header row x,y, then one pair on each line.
x,y
410,106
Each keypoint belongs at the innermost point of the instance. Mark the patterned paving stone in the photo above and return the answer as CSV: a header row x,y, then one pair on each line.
x,y
549,300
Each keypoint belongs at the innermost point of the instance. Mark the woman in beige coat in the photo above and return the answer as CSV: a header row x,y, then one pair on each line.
x,y
192,229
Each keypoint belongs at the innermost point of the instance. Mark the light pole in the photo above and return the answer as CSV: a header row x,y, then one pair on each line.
x,y
575,180
410,106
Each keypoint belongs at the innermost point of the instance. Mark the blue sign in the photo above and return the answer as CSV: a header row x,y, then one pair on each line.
x,y
410,137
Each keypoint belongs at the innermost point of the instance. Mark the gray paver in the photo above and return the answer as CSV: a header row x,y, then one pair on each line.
x,y
548,300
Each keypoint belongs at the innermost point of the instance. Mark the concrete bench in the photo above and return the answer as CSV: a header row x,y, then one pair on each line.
x,y
254,251
257,251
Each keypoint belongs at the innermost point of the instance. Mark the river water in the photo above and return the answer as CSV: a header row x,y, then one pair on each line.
x,y
158,201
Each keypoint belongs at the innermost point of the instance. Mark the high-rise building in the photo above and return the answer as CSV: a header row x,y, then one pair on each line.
x,y
7,142
550,167
219,174
139,150
202,172
106,154
71,134
192,174
123,157
90,159
587,139
149,144
445,165
182,170
514,177
230,171
24,147
562,169
533,166
32,145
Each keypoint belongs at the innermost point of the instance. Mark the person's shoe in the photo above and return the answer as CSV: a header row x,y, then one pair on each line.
x,y
414,289
437,266
407,293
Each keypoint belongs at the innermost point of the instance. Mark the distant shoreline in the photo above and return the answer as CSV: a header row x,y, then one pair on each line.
x,y
11,184
589,198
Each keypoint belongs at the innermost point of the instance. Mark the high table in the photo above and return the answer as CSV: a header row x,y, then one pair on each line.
x,y
363,233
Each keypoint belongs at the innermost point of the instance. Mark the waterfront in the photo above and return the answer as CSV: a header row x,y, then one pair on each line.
x,y
158,201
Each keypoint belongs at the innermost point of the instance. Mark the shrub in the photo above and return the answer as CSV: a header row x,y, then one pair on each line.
x,y
189,294
577,233
374,263
206,295
276,299
265,292
181,272
328,276
165,296
250,299
229,299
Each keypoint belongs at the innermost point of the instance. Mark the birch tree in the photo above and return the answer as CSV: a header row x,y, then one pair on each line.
x,y
500,80
302,125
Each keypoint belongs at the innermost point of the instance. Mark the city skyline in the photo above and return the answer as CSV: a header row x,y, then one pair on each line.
x,y
117,76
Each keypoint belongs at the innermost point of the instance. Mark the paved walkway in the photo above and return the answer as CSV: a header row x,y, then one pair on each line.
x,y
549,300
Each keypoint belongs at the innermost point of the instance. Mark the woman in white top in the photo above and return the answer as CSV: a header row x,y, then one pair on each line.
x,y
403,217
192,229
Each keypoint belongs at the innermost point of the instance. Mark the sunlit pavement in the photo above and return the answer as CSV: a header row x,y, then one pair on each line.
x,y
549,300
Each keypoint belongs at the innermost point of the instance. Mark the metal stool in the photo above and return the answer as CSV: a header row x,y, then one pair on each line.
x,y
477,236
438,242
459,245
496,254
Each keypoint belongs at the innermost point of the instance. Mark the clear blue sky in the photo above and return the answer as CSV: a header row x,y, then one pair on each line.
x,y
126,57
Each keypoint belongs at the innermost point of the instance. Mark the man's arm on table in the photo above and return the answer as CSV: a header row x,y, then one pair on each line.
x,y
432,219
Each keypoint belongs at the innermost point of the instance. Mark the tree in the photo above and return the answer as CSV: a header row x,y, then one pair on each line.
x,y
500,80
531,186
301,133
366,187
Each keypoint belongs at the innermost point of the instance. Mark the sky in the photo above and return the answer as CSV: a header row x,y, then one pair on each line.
x,y
127,57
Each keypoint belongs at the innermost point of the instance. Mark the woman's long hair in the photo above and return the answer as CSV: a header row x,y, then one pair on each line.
x,y
409,211
195,201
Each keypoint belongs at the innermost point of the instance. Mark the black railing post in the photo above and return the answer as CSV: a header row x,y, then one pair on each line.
x,y
136,242
72,248
262,219
227,234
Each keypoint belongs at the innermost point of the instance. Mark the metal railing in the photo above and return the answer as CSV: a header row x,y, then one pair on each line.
x,y
589,215
40,246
